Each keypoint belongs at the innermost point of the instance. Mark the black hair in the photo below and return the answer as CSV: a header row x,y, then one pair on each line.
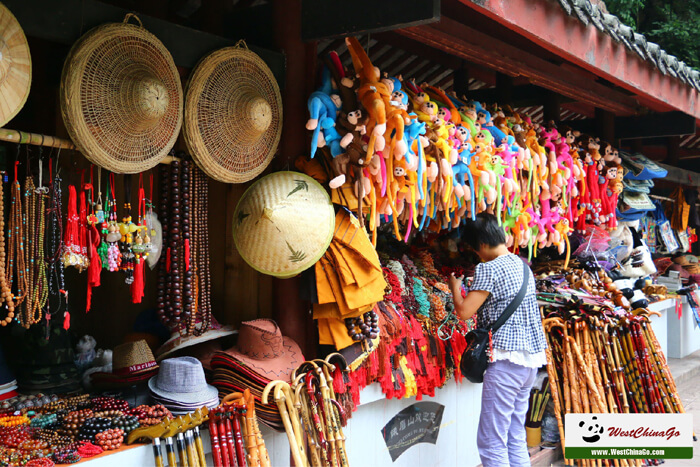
x,y
483,231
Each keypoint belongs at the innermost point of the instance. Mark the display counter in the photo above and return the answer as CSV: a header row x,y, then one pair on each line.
x,y
141,455
683,333
456,439
659,324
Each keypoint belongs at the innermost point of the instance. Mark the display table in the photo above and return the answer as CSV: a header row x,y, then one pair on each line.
x,y
660,323
456,441
683,333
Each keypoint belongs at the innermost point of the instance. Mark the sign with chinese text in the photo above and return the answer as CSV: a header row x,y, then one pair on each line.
x,y
417,423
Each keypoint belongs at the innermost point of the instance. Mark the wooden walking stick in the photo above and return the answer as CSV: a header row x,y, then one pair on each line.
x,y
336,410
281,394
554,379
316,417
323,399
302,406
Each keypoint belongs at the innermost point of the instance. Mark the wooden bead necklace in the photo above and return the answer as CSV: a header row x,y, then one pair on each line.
x,y
5,291
175,272
16,267
110,439
175,282
201,298
33,305
162,297
368,324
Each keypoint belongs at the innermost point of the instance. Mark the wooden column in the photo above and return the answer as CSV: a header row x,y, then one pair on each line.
x,y
605,125
288,309
551,107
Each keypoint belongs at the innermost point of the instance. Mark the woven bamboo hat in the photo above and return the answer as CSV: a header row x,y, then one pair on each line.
x,y
121,97
283,224
233,115
15,66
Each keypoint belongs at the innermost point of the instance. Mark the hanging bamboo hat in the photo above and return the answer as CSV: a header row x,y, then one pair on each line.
x,y
233,115
15,66
121,97
283,224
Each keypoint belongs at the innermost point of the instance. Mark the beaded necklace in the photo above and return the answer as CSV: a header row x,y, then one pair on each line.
x,y
184,279
175,282
5,291
201,305
36,278
54,249
15,239
163,298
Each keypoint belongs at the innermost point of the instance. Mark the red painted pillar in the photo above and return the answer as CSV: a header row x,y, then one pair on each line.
x,y
290,312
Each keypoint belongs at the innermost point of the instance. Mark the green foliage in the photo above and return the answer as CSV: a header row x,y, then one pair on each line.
x,y
627,10
674,24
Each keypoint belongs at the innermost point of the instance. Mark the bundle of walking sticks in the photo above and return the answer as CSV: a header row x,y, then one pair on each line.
x,y
310,412
537,404
602,362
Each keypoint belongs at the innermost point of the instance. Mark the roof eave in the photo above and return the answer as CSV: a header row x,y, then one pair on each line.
x,y
592,49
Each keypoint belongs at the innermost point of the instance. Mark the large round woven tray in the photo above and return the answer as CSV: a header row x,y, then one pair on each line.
x,y
233,115
121,97
15,66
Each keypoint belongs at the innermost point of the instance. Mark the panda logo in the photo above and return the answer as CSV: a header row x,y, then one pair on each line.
x,y
593,431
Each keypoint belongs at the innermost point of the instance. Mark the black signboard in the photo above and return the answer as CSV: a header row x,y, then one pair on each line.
x,y
417,423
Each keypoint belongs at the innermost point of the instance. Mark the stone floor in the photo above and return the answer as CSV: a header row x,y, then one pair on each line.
x,y
686,372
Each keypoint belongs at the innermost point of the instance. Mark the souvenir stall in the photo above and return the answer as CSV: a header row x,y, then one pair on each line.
x,y
410,162
170,296
115,219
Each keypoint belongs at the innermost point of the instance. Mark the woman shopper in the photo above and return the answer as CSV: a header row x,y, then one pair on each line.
x,y
518,346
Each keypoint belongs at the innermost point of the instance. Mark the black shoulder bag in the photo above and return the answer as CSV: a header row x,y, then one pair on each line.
x,y
476,356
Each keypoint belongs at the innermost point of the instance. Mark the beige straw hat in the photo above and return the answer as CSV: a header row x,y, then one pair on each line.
x,y
132,362
233,115
15,66
283,224
121,97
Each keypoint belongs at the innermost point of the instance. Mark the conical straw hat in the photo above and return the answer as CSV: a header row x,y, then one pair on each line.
x,y
121,97
233,115
15,66
283,224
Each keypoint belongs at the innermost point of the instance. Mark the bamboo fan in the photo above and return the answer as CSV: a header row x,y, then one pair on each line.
x,y
233,115
15,66
121,97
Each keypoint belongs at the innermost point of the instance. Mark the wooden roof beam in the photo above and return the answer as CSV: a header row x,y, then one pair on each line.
x,y
548,26
472,45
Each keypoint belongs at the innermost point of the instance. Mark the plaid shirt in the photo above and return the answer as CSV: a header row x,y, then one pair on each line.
x,y
502,279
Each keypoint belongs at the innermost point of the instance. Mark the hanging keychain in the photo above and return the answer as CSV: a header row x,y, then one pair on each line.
x,y
127,228
114,256
99,213
139,245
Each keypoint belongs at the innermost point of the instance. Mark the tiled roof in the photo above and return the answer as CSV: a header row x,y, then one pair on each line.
x,y
590,14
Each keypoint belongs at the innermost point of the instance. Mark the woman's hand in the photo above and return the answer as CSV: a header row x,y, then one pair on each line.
x,y
455,283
